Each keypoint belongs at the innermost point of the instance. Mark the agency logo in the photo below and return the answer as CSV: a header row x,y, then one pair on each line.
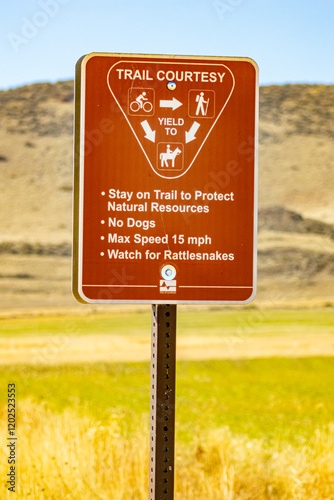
x,y
168,286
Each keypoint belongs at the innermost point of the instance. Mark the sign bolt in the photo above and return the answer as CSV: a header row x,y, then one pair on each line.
x,y
168,272
171,85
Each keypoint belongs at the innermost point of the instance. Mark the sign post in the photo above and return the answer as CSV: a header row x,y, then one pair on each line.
x,y
162,413
165,199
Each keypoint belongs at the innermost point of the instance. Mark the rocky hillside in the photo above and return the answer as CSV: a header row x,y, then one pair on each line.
x,y
38,109
296,149
305,110
277,218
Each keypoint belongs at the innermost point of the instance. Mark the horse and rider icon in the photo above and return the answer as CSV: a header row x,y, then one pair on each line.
x,y
167,156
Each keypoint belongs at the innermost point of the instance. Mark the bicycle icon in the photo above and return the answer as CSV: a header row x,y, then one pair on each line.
x,y
141,101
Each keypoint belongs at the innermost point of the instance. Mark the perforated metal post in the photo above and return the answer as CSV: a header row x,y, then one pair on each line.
x,y
162,414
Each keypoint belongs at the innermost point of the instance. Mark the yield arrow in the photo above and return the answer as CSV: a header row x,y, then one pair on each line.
x,y
150,134
174,103
190,136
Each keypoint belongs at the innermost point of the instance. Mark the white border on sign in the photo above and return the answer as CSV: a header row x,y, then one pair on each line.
x,y
81,188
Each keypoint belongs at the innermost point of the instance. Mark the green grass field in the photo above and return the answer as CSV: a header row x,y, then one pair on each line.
x,y
267,398
217,321
254,422
259,398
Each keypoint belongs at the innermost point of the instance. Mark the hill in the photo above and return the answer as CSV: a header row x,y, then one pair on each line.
x,y
296,157
296,164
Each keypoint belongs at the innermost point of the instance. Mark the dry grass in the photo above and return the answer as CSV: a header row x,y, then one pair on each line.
x,y
70,456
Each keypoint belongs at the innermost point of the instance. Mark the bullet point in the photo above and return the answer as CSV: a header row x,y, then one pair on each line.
x,y
103,221
102,237
103,193
102,254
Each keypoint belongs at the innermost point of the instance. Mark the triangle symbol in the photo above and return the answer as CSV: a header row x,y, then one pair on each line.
x,y
171,107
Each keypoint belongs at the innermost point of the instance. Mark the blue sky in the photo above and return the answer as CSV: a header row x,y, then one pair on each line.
x,y
291,40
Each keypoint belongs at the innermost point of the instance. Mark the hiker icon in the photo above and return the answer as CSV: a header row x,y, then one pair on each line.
x,y
141,101
202,106
169,155
201,103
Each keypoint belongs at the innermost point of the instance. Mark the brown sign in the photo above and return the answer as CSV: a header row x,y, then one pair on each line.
x,y
165,179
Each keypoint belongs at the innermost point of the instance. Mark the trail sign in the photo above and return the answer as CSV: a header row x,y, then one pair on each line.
x,y
165,179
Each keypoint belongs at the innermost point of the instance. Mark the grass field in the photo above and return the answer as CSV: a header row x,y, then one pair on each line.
x,y
216,320
245,428
217,333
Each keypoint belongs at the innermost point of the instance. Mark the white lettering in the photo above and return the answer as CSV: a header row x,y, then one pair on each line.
x,y
179,76
115,222
120,195
145,224
117,254
144,240
188,76
137,75
118,238
199,195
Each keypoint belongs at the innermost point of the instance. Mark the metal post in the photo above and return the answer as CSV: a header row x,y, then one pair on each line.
x,y
162,413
